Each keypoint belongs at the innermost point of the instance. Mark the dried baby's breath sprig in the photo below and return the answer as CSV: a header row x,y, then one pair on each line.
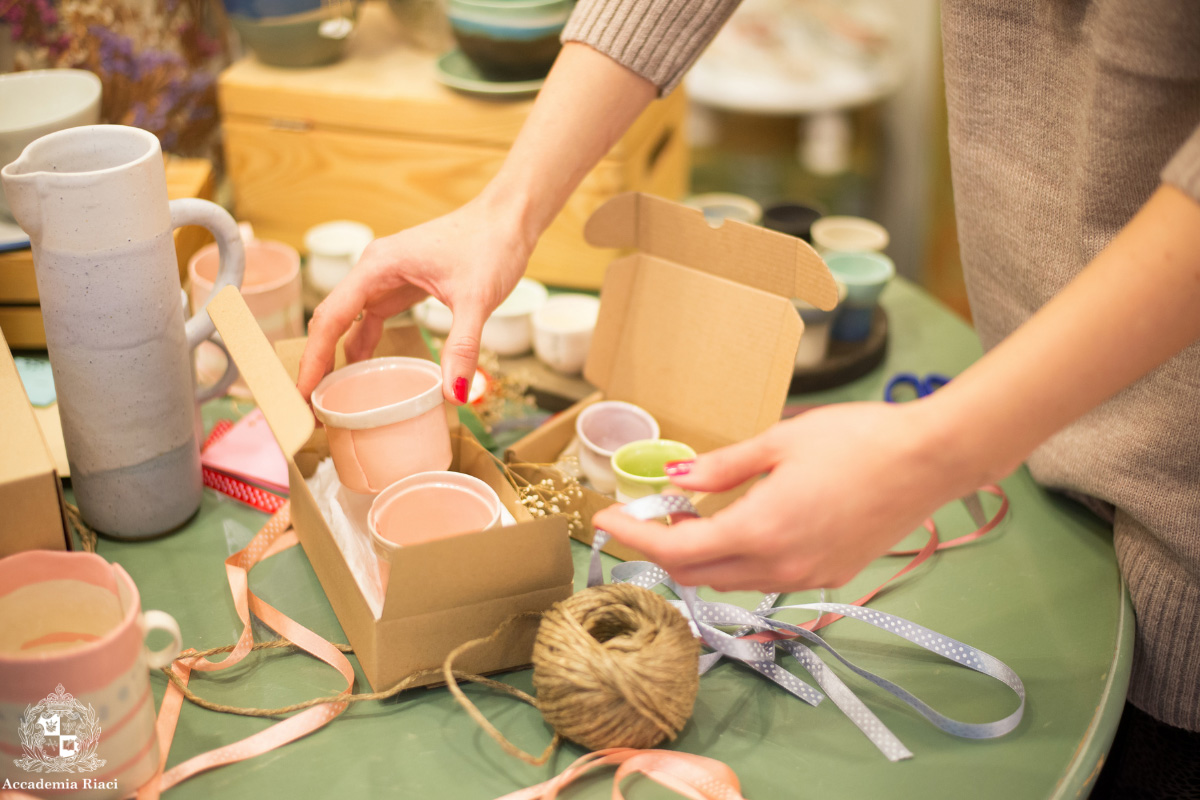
x,y
553,494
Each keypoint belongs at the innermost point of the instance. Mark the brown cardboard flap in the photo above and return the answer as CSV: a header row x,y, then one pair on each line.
x,y
747,254
287,414
477,567
706,355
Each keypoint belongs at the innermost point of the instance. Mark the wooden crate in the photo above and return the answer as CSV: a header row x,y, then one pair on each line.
x,y
377,139
20,315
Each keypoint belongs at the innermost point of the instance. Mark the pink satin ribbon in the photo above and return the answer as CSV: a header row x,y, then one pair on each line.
x,y
275,537
694,777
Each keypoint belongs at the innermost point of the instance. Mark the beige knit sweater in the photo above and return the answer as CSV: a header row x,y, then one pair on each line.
x,y
1064,117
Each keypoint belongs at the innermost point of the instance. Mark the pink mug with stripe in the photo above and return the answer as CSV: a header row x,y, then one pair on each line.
x,y
76,710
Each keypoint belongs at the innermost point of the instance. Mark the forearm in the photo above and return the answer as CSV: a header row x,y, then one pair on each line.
x,y
586,104
1132,308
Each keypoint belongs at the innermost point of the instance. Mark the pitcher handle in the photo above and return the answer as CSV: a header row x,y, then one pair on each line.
x,y
192,211
218,389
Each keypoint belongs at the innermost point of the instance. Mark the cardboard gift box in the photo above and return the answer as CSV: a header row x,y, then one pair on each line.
x,y
305,146
697,327
439,594
34,516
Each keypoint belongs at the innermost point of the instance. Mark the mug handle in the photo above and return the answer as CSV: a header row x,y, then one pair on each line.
x,y
162,621
219,388
232,254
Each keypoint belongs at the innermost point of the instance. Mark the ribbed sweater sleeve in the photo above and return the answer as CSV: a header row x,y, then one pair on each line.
x,y
1183,170
657,39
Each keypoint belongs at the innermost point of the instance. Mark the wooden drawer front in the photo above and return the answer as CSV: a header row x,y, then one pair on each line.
x,y
286,181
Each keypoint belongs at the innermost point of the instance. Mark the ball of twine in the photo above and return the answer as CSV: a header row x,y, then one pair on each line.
x,y
615,666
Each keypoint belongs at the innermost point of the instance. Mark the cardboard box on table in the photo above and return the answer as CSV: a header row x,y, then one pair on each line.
x,y
440,594
34,517
697,327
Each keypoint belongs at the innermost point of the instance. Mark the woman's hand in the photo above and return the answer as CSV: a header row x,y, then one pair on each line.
x,y
469,259
845,483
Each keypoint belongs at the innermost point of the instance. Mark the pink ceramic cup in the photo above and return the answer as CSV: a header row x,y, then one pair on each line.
x,y
271,288
427,507
74,681
385,420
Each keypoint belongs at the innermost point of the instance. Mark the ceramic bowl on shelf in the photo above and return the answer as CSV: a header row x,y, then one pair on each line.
x,y
294,33
42,101
509,39
720,206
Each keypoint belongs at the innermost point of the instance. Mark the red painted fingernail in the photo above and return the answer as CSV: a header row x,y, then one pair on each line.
x,y
674,468
460,390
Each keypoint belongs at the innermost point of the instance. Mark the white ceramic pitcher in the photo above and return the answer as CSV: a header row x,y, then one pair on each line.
x,y
93,200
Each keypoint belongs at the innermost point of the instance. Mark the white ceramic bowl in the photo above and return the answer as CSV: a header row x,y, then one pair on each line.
x,y
848,234
720,206
333,250
508,331
562,331
605,427
42,101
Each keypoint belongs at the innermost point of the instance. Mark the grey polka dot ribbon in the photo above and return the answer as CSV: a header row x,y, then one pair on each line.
x,y
708,618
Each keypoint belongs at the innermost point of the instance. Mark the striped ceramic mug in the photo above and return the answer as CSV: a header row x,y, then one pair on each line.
x,y
76,710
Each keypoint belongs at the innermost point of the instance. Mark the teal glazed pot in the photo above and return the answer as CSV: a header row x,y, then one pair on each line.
x,y
510,39
293,33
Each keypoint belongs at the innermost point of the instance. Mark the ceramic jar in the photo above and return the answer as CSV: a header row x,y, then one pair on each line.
x,y
562,331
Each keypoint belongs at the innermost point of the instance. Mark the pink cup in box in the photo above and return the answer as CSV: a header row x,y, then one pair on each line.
x,y
426,507
74,672
385,420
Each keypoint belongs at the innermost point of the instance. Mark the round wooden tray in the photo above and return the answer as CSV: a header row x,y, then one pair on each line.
x,y
846,361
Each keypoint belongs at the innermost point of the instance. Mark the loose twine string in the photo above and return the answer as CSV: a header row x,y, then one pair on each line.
x,y
615,666
405,683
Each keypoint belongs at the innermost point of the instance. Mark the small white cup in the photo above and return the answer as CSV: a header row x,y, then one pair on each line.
x,y
508,331
333,250
562,331
848,235
605,427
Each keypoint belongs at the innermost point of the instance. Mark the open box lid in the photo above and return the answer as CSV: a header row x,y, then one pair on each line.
x,y
698,327
289,417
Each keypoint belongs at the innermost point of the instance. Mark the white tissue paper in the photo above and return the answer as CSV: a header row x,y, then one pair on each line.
x,y
346,513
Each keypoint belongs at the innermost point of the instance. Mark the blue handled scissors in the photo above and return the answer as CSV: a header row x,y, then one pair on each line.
x,y
924,387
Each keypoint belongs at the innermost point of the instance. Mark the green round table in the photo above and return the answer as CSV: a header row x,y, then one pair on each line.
x,y
1042,593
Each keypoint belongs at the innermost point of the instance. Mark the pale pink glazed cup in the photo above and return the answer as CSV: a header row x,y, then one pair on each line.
x,y
385,420
271,288
72,646
605,427
427,507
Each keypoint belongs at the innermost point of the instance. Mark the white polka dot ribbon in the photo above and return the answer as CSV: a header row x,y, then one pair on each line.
x,y
707,618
